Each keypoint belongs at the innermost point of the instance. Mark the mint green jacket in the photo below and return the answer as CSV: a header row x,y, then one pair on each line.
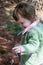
x,y
32,42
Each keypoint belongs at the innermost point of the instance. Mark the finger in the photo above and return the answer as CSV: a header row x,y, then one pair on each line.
x,y
14,48
17,51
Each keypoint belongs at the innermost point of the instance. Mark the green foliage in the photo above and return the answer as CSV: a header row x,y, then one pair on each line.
x,y
41,21
2,51
14,28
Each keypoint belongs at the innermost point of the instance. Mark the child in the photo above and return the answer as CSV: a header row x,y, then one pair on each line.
x,y
32,40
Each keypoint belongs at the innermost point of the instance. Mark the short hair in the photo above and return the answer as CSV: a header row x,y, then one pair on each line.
x,y
24,9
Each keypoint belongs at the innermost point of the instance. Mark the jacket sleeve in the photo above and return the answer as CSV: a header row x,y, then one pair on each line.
x,y
32,43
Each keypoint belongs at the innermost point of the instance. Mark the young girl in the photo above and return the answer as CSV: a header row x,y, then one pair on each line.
x,y
32,34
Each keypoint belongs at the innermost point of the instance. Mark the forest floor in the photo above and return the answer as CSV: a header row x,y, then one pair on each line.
x,y
7,40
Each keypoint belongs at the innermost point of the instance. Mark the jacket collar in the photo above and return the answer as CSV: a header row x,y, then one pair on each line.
x,y
30,26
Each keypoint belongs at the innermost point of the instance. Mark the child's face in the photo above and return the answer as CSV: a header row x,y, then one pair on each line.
x,y
23,22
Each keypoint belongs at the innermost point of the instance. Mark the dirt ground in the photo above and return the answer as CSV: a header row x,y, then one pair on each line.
x,y
7,40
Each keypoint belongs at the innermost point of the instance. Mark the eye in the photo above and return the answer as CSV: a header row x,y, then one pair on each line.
x,y
21,21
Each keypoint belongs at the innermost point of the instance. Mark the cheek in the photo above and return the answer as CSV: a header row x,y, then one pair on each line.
x,y
26,23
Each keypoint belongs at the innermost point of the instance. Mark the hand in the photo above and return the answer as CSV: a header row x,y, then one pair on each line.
x,y
17,49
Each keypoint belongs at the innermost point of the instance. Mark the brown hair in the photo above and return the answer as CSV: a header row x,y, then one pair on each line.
x,y
24,9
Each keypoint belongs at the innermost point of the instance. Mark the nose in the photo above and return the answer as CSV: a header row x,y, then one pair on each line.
x,y
21,22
